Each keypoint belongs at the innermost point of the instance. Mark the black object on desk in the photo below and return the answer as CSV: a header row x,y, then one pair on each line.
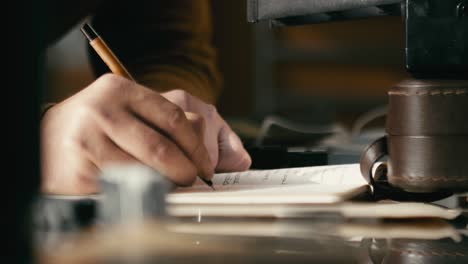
x,y
436,31
276,157
57,214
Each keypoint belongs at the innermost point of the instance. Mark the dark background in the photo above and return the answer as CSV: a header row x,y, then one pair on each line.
x,y
320,73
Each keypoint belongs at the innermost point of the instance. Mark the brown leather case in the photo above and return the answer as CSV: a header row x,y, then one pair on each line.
x,y
427,137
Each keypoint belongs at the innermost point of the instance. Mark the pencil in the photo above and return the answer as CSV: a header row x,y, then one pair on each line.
x,y
114,64
104,52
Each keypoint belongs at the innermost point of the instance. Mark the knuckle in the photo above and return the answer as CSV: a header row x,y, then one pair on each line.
x,y
106,115
200,124
211,111
78,144
90,110
99,114
211,108
176,118
113,83
141,95
109,78
85,111
198,119
76,121
159,150
82,145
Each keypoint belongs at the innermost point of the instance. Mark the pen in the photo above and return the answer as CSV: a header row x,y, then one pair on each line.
x,y
114,64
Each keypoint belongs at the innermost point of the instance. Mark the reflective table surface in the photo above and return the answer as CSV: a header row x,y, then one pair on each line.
x,y
319,239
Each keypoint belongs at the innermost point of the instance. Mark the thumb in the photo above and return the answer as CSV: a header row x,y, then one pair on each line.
x,y
232,154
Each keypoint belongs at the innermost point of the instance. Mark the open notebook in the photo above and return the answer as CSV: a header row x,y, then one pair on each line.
x,y
292,193
306,185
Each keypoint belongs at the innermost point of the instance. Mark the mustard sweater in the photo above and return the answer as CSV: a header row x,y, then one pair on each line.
x,y
165,44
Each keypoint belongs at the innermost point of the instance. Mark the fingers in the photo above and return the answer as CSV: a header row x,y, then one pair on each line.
x,y
150,147
232,154
224,146
209,135
172,122
213,122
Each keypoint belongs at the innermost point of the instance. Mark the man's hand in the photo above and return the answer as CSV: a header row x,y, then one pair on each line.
x,y
224,147
115,120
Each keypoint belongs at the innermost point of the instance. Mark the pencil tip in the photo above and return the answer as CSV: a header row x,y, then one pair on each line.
x,y
209,183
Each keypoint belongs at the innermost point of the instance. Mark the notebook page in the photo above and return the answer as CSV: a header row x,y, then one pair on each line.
x,y
348,174
321,184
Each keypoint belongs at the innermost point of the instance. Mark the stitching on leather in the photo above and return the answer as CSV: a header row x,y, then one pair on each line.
x,y
441,92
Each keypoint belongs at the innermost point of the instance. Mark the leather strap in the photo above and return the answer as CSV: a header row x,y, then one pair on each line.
x,y
381,188
373,153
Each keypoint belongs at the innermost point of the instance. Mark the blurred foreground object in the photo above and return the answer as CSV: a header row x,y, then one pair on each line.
x,y
132,193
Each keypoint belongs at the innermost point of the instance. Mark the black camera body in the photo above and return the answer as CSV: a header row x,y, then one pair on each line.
x,y
436,31
437,38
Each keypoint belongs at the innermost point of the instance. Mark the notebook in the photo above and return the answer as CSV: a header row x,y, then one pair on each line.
x,y
293,193
320,191
306,185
